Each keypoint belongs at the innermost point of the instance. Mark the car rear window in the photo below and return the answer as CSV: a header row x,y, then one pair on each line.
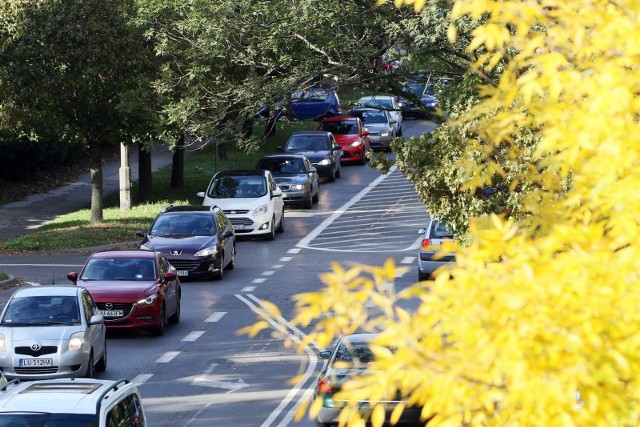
x,y
439,230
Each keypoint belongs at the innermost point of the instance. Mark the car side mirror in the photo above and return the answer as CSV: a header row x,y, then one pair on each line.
x,y
200,194
96,319
73,276
312,170
140,233
277,192
366,132
228,233
324,355
170,276
336,147
422,232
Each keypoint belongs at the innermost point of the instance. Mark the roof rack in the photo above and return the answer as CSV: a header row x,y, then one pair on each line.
x,y
112,387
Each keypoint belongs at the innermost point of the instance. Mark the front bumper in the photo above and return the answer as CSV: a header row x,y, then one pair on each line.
x,y
65,363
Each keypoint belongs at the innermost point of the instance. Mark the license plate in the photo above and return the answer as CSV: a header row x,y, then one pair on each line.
x,y
183,272
238,226
112,313
35,362
284,195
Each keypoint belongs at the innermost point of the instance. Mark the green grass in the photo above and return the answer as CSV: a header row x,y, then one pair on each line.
x,y
3,276
75,231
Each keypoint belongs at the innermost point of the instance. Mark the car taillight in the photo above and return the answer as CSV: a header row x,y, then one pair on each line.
x,y
324,386
426,243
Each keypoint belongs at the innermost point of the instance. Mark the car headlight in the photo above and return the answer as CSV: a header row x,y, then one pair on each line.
x,y
297,187
261,210
148,300
384,133
356,143
145,247
3,347
324,162
76,341
207,251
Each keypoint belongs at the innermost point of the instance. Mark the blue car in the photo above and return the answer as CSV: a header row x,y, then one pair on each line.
x,y
314,104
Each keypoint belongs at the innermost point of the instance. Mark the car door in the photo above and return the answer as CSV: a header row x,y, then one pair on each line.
x,y
336,152
225,236
276,201
313,176
170,286
97,332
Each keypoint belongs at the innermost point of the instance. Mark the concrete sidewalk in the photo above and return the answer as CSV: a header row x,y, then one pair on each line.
x,y
18,218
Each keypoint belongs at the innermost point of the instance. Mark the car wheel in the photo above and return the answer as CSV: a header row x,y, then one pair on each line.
x,y
176,316
220,274
91,369
272,232
308,203
316,196
101,366
364,158
281,226
232,261
399,131
159,330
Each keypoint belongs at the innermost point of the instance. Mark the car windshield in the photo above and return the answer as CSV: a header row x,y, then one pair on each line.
x,y
371,116
42,310
353,355
340,127
183,224
308,143
311,95
129,269
283,166
42,419
375,102
236,187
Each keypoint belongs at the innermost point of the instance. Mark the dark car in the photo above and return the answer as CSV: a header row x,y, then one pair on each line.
x,y
133,289
427,108
295,176
321,149
351,357
314,104
352,136
198,241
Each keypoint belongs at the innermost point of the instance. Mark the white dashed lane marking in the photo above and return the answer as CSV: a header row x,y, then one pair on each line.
x,y
168,357
192,336
141,379
215,317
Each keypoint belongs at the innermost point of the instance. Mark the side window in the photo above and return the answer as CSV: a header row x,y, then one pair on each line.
x,y
126,413
272,183
88,306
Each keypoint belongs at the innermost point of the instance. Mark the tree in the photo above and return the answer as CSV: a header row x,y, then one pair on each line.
x,y
536,325
67,69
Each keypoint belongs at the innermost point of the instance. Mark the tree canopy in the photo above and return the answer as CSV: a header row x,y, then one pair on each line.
x,y
536,324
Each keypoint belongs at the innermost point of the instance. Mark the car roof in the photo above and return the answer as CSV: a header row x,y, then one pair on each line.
x,y
243,172
311,132
358,337
48,290
72,395
188,208
283,156
339,118
377,97
125,253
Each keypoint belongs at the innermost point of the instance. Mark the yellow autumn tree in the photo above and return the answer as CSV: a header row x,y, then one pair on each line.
x,y
538,323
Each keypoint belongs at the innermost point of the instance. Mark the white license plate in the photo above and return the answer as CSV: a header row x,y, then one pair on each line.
x,y
182,272
35,362
238,226
112,313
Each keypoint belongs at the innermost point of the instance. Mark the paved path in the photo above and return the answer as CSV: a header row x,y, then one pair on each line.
x,y
17,218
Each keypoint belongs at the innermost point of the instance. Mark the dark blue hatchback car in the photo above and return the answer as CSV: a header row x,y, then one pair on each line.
x,y
314,104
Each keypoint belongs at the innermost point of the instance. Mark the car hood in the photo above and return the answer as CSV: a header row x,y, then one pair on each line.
x,y
241,204
190,244
315,156
118,290
346,139
291,179
38,334
377,127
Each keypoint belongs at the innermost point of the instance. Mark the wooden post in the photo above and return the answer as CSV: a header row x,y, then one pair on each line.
x,y
125,178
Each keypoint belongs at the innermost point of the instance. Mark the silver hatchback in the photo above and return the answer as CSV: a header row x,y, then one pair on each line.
x,y
52,332
430,257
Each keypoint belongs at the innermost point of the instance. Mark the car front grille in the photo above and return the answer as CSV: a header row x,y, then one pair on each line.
x,y
236,212
184,264
241,221
36,370
47,349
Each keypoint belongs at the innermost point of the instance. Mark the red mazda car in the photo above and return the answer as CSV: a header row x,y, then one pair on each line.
x,y
352,136
133,289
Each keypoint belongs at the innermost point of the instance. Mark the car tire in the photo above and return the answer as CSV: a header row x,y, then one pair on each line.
x,y
220,274
364,158
280,228
399,131
91,369
101,366
272,232
232,261
316,197
175,318
158,331
332,175
308,203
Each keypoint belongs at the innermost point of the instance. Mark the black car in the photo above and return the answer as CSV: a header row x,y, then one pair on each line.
x,y
321,149
198,241
295,176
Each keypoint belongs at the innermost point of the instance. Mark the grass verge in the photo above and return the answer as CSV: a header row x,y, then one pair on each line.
x,y
74,230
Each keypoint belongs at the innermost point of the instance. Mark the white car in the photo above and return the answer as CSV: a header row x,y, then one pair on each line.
x,y
250,198
52,332
386,102
71,402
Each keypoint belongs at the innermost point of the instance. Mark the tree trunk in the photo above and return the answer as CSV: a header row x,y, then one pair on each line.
x,y
270,126
177,166
145,180
95,165
247,127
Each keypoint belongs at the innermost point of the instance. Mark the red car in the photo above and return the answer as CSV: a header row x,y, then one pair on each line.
x,y
133,289
352,136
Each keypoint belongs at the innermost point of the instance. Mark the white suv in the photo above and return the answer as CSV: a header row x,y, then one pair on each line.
x,y
250,198
74,402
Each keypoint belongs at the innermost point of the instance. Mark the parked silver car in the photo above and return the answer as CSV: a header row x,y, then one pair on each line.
x,y
430,257
389,103
379,123
52,332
